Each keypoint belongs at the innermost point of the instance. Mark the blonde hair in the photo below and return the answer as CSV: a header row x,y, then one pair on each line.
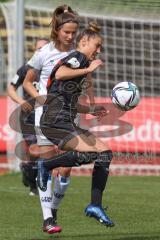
x,y
93,26
92,31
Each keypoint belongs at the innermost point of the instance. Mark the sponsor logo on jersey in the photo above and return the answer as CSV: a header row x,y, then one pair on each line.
x,y
74,62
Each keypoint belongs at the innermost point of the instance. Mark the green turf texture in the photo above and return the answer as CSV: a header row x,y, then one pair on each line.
x,y
134,205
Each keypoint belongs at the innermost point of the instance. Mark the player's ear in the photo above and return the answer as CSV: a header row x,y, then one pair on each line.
x,y
84,41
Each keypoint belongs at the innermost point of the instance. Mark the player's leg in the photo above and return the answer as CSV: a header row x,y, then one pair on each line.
x,y
46,151
32,167
61,183
99,180
28,164
79,150
28,168
86,149
49,224
22,153
99,177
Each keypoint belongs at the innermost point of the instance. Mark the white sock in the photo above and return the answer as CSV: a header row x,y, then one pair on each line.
x,y
46,199
60,186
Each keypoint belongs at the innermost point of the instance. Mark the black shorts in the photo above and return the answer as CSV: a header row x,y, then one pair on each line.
x,y
27,127
63,131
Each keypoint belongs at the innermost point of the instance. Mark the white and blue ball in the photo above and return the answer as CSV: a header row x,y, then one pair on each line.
x,y
125,96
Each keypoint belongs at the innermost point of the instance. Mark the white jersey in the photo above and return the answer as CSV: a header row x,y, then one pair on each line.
x,y
44,60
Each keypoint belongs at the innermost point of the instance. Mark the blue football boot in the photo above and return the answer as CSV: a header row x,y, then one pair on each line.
x,y
99,214
42,176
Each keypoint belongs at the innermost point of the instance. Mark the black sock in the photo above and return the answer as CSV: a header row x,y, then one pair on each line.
x,y
70,159
99,179
67,159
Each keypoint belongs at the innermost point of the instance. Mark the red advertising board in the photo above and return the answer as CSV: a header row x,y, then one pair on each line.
x,y
6,133
137,130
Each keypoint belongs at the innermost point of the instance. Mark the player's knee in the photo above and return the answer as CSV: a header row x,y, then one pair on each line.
x,y
65,171
104,157
101,147
47,151
104,160
86,157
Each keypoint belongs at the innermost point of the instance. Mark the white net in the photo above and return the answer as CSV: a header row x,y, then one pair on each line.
x,y
131,33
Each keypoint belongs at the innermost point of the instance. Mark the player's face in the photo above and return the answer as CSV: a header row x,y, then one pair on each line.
x,y
93,47
66,35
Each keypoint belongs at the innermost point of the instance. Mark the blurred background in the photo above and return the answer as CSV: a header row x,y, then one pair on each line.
x,y
131,51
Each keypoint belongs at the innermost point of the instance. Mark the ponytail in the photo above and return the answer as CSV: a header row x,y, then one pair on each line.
x,y
61,15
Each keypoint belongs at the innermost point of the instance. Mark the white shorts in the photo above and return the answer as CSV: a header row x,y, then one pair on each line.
x,y
41,139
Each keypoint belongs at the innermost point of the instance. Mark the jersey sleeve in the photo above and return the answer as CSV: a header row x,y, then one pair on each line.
x,y
19,77
75,60
36,61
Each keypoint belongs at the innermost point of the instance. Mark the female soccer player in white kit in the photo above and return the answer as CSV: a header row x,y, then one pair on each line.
x,y
64,27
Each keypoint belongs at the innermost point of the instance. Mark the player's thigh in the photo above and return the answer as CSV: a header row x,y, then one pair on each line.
x,y
48,151
83,143
98,143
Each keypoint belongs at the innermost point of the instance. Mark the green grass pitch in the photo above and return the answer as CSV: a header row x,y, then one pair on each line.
x,y
134,205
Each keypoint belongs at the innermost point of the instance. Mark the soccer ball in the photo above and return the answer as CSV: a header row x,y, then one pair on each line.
x,y
125,96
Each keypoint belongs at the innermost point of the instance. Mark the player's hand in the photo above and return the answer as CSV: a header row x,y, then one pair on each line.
x,y
99,112
40,100
94,65
26,106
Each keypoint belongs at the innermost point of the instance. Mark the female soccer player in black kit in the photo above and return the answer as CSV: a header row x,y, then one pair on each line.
x,y
29,173
57,122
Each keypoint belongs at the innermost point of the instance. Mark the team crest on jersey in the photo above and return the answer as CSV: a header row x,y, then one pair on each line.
x,y
73,62
52,61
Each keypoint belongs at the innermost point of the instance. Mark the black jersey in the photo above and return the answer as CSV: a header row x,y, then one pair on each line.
x,y
63,94
18,80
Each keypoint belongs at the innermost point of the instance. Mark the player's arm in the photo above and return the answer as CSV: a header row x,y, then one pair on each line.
x,y
28,83
96,110
35,64
90,90
65,73
29,87
11,90
14,85
82,108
